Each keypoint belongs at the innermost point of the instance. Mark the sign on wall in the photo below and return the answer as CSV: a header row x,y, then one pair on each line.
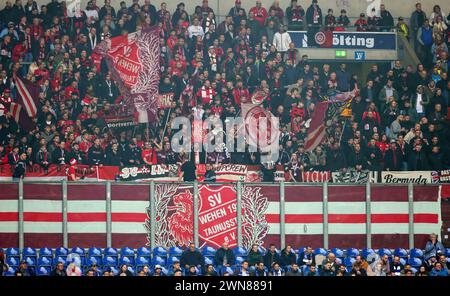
x,y
352,40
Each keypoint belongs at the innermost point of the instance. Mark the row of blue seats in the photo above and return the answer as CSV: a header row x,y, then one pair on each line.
x,y
206,251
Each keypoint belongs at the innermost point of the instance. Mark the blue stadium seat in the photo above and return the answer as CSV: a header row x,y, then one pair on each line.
x,y
240,251
61,252
172,259
262,250
31,261
94,260
416,253
132,269
126,251
60,259
111,252
128,260
209,260
144,252
447,252
164,270
208,251
29,252
402,261
321,251
10,271
44,261
79,251
348,261
338,252
415,262
160,251
12,252
175,251
110,261
339,260
366,252
239,260
158,260
43,271
384,251
95,252
414,270
300,250
226,269
114,270
142,260
402,253
352,252
45,252
13,261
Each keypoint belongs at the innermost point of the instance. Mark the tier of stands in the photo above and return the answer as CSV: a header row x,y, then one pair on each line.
x,y
45,259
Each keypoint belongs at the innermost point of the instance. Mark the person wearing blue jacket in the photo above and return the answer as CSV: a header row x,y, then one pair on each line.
x,y
438,270
433,248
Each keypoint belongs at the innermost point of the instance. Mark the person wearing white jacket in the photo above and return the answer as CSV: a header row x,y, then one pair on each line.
x,y
281,40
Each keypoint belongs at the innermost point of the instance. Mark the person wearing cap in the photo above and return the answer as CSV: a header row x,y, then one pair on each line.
x,y
403,28
158,271
237,12
361,23
71,170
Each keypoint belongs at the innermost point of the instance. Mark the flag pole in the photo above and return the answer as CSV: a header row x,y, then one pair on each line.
x,y
165,125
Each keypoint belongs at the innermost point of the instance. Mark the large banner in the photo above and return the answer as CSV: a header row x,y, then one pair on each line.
x,y
352,40
416,177
217,215
134,61
174,215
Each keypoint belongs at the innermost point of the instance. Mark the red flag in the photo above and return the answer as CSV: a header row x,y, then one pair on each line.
x,y
134,61
316,131
21,117
27,95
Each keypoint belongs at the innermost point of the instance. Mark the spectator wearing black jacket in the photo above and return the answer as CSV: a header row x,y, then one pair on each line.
x,y
306,257
254,256
224,256
271,257
96,155
192,257
287,257
59,270
393,157
386,21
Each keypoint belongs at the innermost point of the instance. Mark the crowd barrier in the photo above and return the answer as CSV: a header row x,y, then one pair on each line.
x,y
119,214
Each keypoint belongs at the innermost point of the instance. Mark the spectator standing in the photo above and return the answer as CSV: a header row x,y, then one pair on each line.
x,y
20,168
282,40
314,20
417,20
295,15
259,12
433,247
386,21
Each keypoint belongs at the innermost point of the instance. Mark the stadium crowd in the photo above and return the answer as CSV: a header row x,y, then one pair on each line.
x,y
225,261
398,121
